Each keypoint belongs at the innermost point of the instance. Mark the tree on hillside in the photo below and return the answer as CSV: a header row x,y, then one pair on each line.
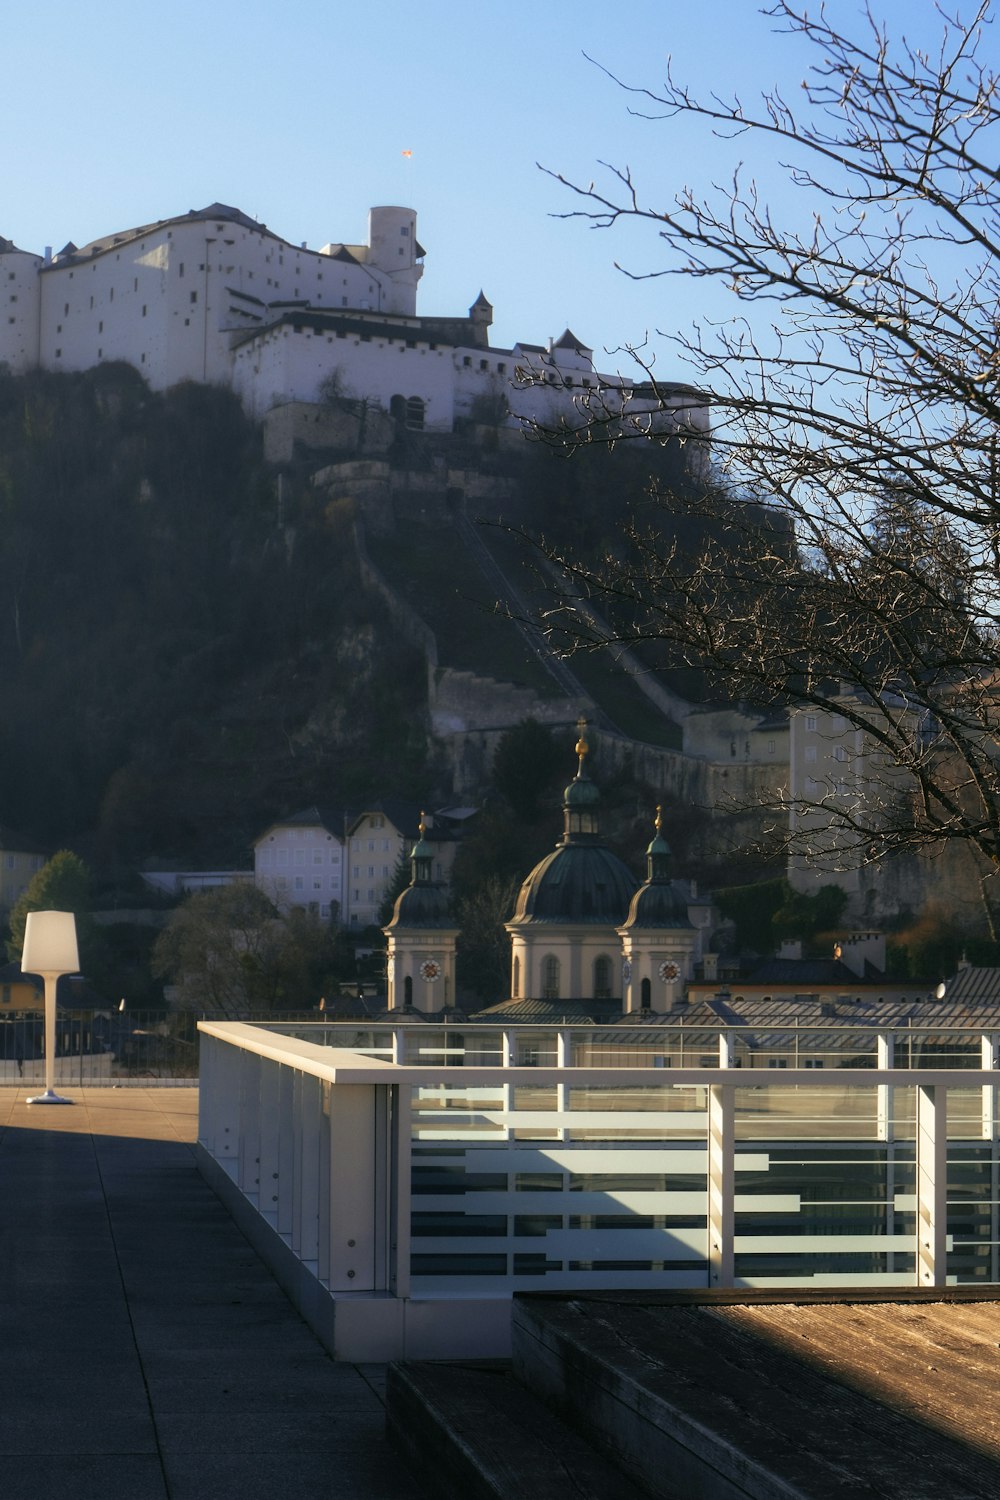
x,y
230,951
855,393
62,884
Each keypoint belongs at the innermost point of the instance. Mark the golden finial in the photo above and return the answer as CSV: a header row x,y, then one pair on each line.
x,y
658,820
422,825
582,748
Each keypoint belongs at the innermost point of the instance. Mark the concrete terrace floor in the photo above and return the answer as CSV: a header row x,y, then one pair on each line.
x,y
146,1353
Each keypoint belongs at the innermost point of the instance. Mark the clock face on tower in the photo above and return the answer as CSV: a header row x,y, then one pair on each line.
x,y
668,971
430,970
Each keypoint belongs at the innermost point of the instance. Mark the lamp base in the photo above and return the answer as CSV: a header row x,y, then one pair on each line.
x,y
49,1097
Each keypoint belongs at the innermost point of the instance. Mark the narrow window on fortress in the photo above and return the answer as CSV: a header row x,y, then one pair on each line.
x,y
100,353
135,283
100,327
484,364
466,361
111,295
194,298
142,359
180,269
14,320
91,301
10,275
65,309
415,414
187,322
58,354
13,296
405,231
502,370
144,309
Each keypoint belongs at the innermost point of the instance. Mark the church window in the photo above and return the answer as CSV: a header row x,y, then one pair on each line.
x,y
408,990
516,981
602,978
550,977
645,995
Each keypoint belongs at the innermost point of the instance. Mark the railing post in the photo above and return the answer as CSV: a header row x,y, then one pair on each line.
x,y
249,1142
305,1217
286,1153
989,1061
357,1188
932,1185
564,1051
270,1137
885,1058
401,1152
721,1184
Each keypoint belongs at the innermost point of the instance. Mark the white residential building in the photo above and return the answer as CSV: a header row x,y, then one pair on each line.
x,y
299,861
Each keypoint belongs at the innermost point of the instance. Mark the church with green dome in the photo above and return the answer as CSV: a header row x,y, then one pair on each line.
x,y
589,942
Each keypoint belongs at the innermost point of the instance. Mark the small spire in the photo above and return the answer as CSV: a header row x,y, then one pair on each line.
x,y
658,820
582,748
422,825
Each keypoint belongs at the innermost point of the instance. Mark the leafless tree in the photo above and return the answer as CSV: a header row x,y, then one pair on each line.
x,y
851,529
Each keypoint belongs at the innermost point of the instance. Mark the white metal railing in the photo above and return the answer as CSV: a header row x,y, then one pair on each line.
x,y
436,1181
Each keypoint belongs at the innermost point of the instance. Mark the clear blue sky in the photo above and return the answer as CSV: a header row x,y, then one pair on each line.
x,y
299,113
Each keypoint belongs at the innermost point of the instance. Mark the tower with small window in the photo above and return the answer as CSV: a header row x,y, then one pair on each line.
x,y
420,939
659,941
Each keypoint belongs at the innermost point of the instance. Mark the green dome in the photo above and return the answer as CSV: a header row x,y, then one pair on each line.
x,y
424,905
577,883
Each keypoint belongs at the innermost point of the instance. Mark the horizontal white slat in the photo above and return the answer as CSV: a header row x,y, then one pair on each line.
x,y
674,1122
822,1244
563,1156
457,1287
626,1244
614,1202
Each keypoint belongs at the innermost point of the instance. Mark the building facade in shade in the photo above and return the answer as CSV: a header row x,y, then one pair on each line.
x,y
214,296
20,860
300,861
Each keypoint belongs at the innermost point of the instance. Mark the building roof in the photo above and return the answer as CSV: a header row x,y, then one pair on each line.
x,y
974,986
328,818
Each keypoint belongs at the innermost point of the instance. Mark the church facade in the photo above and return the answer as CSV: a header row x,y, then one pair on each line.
x,y
589,941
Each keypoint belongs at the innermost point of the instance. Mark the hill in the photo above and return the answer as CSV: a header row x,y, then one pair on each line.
x,y
188,646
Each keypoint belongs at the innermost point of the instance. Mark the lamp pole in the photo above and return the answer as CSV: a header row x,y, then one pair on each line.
x,y
50,949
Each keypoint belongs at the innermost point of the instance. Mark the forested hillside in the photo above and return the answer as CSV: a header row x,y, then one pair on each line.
x,y
186,644
178,660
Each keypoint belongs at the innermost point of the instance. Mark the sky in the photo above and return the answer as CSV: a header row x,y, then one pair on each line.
x,y
306,114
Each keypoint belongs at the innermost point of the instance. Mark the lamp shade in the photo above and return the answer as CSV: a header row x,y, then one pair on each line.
x,y
50,943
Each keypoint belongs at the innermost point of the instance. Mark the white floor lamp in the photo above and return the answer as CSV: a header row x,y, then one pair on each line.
x,y
50,950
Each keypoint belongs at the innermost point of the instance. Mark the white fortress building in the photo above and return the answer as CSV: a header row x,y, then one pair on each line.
x,y
214,296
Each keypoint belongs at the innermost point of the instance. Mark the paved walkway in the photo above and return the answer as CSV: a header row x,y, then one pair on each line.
x,y
146,1353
